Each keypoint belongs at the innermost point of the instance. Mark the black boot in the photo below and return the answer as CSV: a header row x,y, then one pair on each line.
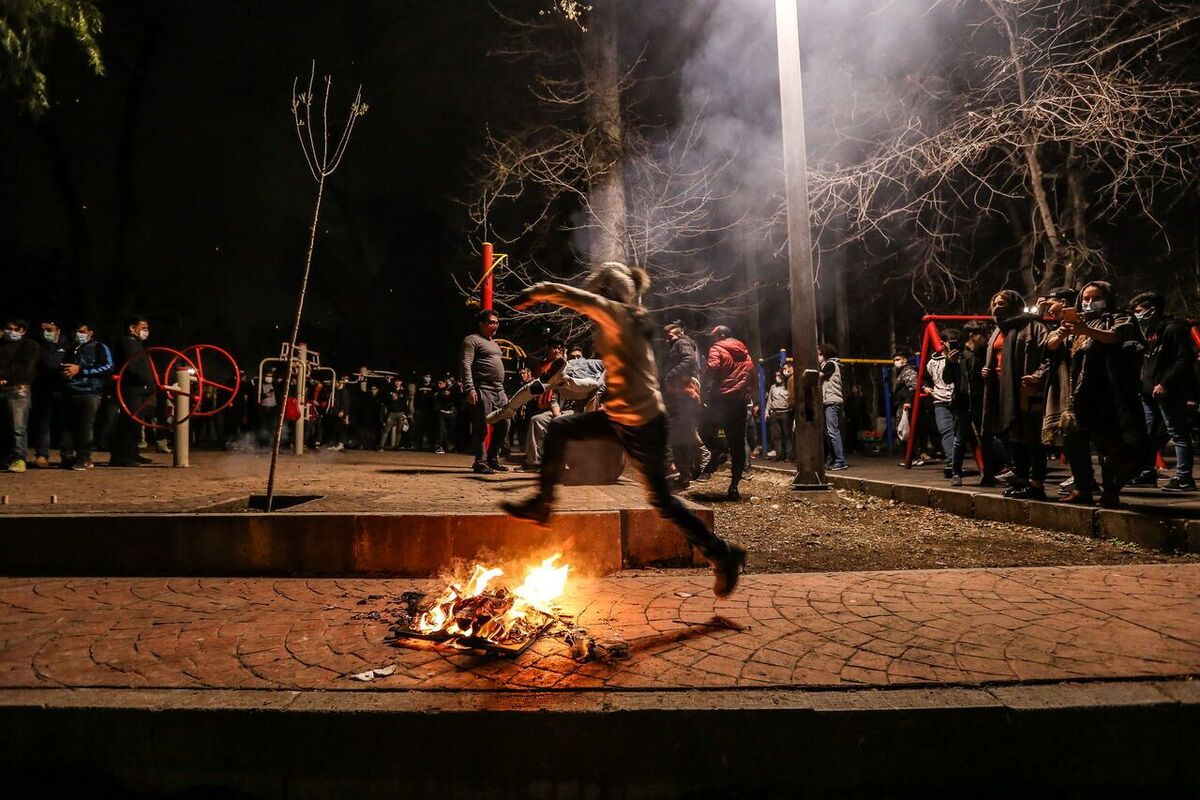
x,y
727,568
532,510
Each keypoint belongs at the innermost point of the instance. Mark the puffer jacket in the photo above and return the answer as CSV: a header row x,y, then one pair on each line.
x,y
731,370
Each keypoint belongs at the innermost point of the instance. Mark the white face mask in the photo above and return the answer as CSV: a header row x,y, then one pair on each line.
x,y
1092,305
12,336
898,364
82,338
143,335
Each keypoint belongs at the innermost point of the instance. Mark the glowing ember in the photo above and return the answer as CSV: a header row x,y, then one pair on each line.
x,y
477,612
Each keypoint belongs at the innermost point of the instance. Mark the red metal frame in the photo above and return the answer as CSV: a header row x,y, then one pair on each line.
x,y
487,283
197,394
161,383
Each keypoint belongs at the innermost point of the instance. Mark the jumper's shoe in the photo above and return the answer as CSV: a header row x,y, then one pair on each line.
x,y
40,462
480,468
727,569
531,510
1180,484
17,466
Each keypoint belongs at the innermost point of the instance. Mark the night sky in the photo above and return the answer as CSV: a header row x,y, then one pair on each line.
x,y
177,186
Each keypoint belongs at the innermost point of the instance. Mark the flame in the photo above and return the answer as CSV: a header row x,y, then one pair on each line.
x,y
499,615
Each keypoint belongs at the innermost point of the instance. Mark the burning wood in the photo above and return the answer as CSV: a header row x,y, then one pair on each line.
x,y
477,614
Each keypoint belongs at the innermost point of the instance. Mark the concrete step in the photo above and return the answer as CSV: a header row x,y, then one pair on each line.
x,y
1082,739
326,543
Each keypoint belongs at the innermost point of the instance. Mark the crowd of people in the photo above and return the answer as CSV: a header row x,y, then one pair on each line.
x,y
1078,374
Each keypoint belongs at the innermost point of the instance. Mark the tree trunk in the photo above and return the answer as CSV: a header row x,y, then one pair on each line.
x,y
1077,194
602,114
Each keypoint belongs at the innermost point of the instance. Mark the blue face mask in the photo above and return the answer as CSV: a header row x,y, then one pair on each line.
x,y
12,336
82,338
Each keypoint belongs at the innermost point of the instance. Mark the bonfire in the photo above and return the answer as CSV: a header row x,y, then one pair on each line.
x,y
483,613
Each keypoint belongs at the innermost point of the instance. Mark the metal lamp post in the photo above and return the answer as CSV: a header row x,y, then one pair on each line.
x,y
810,413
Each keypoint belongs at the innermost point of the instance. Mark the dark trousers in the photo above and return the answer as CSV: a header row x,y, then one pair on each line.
x,y
780,431
46,417
647,446
81,425
966,439
126,431
1028,461
489,401
728,414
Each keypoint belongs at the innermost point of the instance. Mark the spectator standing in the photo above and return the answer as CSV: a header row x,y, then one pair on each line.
x,y
86,369
832,400
445,405
137,387
1168,383
1014,399
18,367
46,417
943,371
482,371
779,416
732,379
968,401
395,407
424,417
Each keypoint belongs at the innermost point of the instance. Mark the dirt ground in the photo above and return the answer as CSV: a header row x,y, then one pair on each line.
x,y
789,531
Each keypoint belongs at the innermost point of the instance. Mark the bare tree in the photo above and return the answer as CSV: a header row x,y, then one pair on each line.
x,y
610,187
322,162
1068,113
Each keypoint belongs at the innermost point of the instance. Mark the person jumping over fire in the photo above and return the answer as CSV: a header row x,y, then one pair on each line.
x,y
633,413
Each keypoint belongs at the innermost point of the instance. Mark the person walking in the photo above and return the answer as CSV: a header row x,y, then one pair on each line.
x,y
732,381
481,369
633,415
86,369
681,396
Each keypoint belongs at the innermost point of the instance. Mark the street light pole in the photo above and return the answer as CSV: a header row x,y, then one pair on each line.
x,y
810,412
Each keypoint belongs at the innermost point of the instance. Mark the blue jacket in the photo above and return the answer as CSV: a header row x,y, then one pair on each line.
x,y
95,360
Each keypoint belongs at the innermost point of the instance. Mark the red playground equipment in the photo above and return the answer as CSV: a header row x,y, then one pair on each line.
x,y
198,362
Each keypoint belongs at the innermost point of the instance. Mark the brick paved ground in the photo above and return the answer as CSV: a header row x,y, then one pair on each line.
x,y
834,629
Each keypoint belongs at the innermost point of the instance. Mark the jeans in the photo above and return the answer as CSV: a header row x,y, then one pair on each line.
x,y
964,436
81,423
833,435
944,416
647,446
1173,415
728,414
780,430
14,416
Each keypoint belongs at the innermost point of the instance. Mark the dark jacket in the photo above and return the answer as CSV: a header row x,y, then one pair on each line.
x,y
1008,404
906,387
96,365
681,364
18,362
1105,381
968,389
131,355
1169,360
731,370
49,371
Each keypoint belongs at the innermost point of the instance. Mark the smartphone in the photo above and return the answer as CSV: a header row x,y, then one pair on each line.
x,y
1070,315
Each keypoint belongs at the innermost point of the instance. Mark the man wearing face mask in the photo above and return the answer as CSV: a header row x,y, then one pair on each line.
x,y
137,386
46,416
832,402
779,416
1013,397
1104,370
18,365
86,370
1167,386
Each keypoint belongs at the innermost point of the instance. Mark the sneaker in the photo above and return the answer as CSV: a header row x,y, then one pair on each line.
x,y
727,570
1006,476
531,510
437,451
496,466
480,468
956,480
337,448
1147,477
40,462
702,477
141,459
838,467
163,446
1180,484
772,454
1067,486
81,466
948,472
17,466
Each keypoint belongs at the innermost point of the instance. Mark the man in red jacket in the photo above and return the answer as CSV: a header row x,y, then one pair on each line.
x,y
731,379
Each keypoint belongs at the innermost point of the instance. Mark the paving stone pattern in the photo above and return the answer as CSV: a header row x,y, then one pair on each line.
x,y
800,630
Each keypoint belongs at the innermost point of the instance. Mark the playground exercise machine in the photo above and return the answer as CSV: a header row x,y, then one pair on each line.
x,y
182,376
304,363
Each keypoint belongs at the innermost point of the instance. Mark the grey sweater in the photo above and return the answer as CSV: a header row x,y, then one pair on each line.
x,y
480,364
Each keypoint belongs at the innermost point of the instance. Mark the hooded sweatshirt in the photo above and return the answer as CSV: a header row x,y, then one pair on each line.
x,y
632,397
731,370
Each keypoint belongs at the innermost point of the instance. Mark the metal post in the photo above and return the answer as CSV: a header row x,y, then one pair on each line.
x,y
301,358
485,301
183,407
810,417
